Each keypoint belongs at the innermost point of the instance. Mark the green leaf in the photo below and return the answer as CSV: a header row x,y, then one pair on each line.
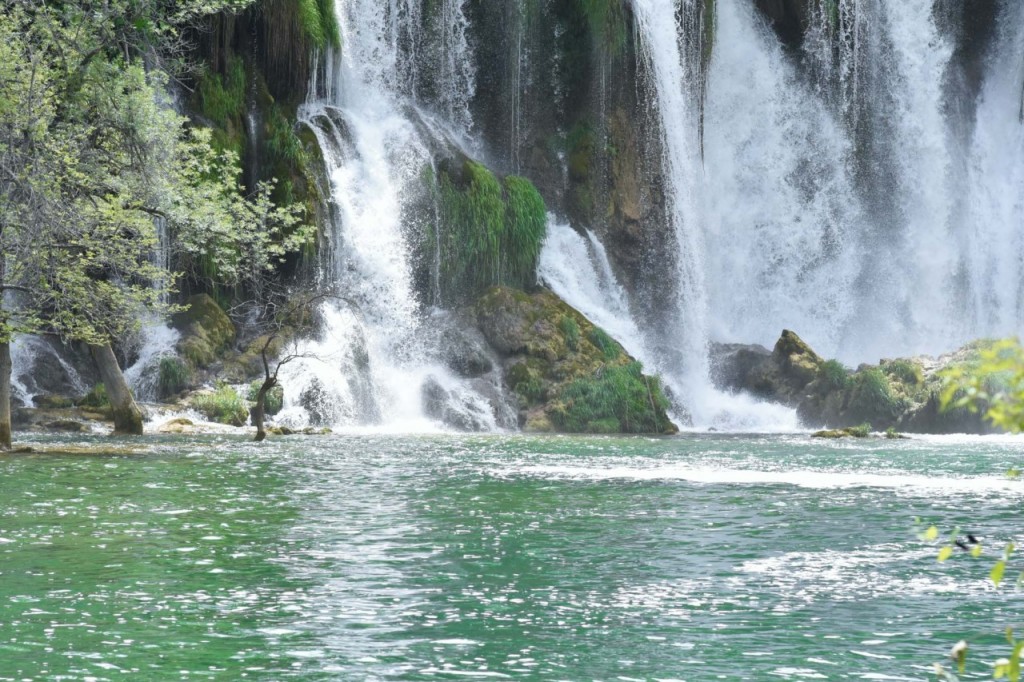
x,y
945,553
976,551
997,572
932,533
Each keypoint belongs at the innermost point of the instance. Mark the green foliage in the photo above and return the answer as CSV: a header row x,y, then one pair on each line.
x,y
619,396
282,144
836,376
526,222
224,405
490,232
892,434
222,98
526,383
224,236
174,376
90,154
531,388
907,372
274,400
318,23
1008,668
872,394
994,382
96,398
862,431
570,331
604,343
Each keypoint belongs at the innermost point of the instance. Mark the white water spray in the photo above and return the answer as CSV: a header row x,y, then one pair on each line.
x,y
833,206
577,269
373,362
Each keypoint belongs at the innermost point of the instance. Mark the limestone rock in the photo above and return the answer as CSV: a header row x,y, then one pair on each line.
x,y
206,330
567,374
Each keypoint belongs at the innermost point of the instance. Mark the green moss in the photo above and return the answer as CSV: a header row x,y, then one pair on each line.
x,y
607,23
570,332
318,23
872,394
832,12
223,405
206,330
619,395
282,144
606,344
892,434
97,397
526,220
490,232
222,97
861,431
174,376
274,401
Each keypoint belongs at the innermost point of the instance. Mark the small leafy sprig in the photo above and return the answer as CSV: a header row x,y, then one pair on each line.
x,y
1008,668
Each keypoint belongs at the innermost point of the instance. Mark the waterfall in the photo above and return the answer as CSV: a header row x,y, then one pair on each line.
x,y
28,354
994,213
577,269
377,359
832,196
668,48
780,188
156,339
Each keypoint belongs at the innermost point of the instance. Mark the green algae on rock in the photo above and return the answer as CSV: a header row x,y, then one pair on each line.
x,y
568,375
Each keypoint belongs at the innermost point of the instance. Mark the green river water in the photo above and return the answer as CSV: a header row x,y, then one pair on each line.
x,y
506,557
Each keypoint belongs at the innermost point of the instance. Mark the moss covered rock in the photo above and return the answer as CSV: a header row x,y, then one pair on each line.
x,y
566,374
897,394
206,330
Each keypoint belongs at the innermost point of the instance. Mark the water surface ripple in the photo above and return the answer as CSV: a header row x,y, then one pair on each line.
x,y
508,557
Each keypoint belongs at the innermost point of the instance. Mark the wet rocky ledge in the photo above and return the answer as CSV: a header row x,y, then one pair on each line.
x,y
898,395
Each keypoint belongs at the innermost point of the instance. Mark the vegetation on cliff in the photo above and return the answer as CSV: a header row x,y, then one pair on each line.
x,y
92,157
488,231
567,374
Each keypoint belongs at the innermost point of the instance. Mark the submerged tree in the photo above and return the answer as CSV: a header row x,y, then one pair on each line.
x,y
280,317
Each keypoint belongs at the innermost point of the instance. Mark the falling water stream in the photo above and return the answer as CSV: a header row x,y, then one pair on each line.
x,y
834,191
375,358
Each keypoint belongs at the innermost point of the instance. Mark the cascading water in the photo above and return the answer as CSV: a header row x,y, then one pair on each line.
x,y
994,213
577,269
375,362
780,194
156,340
673,41
830,197
27,354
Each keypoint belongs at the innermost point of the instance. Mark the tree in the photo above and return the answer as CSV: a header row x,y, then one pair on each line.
x,y
90,154
279,317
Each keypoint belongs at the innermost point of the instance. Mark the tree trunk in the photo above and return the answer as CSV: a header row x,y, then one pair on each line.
x,y
5,395
127,415
258,412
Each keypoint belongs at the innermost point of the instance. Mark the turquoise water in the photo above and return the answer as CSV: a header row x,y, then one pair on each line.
x,y
445,557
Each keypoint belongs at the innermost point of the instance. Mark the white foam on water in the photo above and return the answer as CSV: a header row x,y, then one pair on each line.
x,y
801,478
